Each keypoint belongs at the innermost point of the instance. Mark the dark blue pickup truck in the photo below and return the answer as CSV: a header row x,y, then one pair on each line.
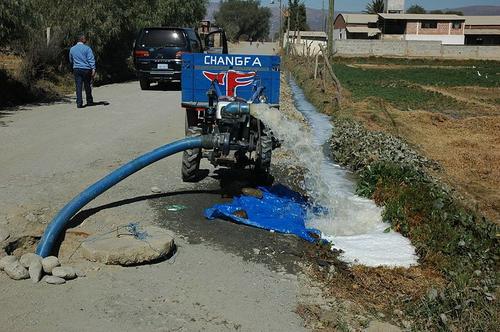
x,y
158,51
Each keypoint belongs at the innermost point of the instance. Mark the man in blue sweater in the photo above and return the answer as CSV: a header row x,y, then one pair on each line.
x,y
82,59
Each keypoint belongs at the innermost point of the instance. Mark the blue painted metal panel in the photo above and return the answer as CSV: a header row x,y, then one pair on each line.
x,y
234,72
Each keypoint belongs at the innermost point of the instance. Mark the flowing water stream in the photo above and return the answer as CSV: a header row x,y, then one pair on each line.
x,y
352,223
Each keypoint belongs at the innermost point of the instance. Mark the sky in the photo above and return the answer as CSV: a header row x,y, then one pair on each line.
x,y
359,5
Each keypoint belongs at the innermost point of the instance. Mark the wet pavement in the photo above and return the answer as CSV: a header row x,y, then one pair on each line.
x,y
280,252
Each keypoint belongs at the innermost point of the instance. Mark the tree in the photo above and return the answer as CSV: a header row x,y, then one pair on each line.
x,y
375,7
416,9
16,21
243,17
298,15
112,25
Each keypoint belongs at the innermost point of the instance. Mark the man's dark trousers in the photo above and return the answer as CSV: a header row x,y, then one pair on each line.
x,y
83,77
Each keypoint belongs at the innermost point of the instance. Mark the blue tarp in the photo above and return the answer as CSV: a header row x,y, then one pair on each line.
x,y
280,209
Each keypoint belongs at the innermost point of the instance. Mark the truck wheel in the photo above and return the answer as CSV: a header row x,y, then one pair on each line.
x,y
264,151
191,159
145,84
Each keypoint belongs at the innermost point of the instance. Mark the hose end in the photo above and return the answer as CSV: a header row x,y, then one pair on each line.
x,y
236,109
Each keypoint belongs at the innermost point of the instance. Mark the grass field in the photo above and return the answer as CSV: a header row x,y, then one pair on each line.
x,y
404,83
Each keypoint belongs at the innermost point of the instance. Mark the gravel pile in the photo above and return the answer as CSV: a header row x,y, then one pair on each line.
x,y
353,145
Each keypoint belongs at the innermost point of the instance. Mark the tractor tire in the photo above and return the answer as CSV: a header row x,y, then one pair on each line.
x,y
264,151
144,83
191,159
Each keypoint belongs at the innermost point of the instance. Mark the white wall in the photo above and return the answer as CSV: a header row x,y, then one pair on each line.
x,y
303,46
308,47
414,49
444,39
339,34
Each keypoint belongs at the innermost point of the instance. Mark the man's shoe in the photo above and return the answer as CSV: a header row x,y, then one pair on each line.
x,y
80,106
91,104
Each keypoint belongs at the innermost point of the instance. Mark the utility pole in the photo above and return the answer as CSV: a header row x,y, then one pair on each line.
x,y
288,31
281,27
331,18
323,18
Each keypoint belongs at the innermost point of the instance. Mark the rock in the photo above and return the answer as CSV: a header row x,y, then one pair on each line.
x,y
444,319
80,273
128,250
31,217
323,262
252,192
376,326
406,324
35,270
16,271
7,260
477,273
256,251
432,294
398,312
26,259
65,272
49,263
330,317
54,280
4,234
156,190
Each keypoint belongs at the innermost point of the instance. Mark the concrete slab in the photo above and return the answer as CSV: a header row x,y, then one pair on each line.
x,y
123,248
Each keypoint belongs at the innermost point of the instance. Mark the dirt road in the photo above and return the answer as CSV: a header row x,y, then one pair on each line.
x,y
223,277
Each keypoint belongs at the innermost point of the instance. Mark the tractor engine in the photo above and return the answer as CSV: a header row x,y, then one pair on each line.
x,y
226,111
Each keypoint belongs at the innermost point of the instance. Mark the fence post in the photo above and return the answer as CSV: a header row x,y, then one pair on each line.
x,y
334,77
316,66
47,34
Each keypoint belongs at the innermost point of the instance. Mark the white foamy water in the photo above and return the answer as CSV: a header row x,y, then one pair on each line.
x,y
352,223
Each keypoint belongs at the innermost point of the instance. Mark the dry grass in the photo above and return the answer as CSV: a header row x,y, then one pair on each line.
x,y
468,149
19,89
11,63
384,289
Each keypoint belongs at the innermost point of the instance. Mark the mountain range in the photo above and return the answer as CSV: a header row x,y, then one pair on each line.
x,y
477,10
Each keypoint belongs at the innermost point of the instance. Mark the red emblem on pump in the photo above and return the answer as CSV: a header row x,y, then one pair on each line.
x,y
231,79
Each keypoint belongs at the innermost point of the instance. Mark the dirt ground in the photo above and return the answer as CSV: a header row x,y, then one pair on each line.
x,y
216,281
223,277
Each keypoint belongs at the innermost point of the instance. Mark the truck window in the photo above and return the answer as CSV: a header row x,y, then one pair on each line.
x,y
162,38
194,41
